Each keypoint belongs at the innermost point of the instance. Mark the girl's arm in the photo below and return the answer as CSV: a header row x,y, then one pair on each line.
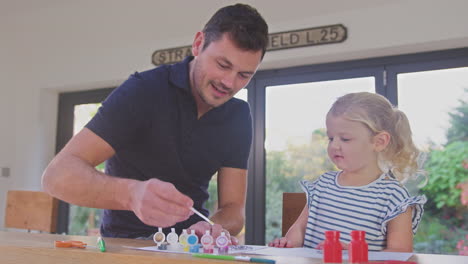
x,y
295,235
400,233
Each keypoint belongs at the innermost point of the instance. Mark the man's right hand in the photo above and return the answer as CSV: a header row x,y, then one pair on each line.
x,y
71,176
158,203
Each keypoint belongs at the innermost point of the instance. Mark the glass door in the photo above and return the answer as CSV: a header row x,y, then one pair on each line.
x,y
296,140
75,110
436,103
212,203
289,109
84,220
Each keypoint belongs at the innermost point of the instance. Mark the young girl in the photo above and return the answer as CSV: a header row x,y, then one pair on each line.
x,y
370,142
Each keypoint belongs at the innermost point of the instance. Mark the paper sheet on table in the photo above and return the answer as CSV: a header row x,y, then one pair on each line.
x,y
314,253
296,252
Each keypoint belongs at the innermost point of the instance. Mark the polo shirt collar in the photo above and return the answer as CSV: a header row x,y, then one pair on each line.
x,y
179,74
179,77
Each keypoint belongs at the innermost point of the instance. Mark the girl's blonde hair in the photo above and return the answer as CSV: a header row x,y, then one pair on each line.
x,y
378,114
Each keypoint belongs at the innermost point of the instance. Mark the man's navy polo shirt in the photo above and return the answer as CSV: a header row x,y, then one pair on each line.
x,y
151,122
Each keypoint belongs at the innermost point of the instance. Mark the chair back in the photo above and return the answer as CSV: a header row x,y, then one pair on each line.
x,y
293,203
32,210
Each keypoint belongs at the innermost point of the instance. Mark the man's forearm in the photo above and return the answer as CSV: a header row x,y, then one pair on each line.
x,y
71,179
231,218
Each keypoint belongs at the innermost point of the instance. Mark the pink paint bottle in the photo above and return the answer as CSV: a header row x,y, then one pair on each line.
x,y
332,249
358,248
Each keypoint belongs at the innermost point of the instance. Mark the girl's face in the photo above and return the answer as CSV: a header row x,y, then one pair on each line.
x,y
350,145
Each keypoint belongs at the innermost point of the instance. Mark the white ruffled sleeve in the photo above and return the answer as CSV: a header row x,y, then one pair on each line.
x,y
308,187
416,202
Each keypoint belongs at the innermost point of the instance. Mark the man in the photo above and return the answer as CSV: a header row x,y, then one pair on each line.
x,y
165,132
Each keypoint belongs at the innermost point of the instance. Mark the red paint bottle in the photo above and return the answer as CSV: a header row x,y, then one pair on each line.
x,y
358,248
332,250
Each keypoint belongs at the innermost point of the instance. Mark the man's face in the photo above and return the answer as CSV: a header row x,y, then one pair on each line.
x,y
219,71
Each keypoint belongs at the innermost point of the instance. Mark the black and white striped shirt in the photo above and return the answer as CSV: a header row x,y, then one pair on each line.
x,y
346,208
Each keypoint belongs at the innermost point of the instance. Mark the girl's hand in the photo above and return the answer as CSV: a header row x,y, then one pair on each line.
x,y
281,243
343,245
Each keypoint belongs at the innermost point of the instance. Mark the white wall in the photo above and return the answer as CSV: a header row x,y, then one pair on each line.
x,y
51,46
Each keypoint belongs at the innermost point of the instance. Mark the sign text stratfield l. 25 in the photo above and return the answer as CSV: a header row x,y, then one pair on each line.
x,y
307,37
276,41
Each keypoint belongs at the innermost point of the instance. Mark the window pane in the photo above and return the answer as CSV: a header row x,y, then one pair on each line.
x,y
296,141
84,220
427,98
212,203
242,94
82,114
431,100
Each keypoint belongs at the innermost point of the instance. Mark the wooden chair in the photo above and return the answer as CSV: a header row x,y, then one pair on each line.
x,y
31,210
293,203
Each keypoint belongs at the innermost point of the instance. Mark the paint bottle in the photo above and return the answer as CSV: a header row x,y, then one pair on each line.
x,y
183,240
173,240
332,249
159,237
222,243
192,242
207,242
358,249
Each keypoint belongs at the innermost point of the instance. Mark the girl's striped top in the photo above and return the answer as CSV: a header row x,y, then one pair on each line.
x,y
347,208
